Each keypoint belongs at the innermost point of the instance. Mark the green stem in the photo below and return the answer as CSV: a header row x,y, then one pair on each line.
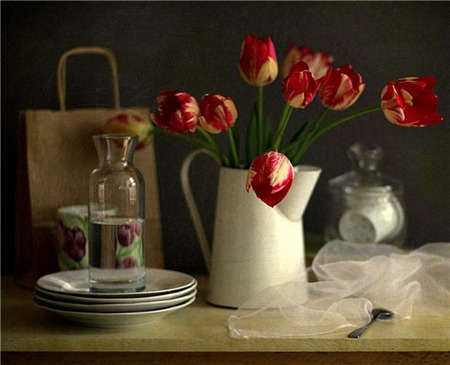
x,y
259,104
297,139
234,153
213,146
335,123
320,119
185,137
316,133
287,111
307,138
192,140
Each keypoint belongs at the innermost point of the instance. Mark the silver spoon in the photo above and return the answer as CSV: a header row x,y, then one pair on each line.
x,y
378,314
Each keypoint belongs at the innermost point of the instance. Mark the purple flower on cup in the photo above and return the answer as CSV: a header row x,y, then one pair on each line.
x,y
74,243
127,263
127,233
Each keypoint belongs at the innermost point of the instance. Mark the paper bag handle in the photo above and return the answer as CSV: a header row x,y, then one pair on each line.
x,y
61,72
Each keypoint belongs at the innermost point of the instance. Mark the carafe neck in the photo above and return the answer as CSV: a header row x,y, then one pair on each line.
x,y
115,149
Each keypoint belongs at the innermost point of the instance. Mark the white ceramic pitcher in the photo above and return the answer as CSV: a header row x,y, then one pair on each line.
x,y
254,246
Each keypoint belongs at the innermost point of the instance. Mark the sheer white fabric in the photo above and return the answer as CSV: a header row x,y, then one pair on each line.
x,y
350,280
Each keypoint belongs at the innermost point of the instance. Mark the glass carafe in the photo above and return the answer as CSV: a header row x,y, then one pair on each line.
x,y
365,206
116,217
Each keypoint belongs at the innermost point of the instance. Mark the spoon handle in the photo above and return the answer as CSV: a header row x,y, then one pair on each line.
x,y
358,332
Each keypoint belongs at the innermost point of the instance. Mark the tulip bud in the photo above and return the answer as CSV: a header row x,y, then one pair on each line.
x,y
177,111
258,63
217,113
129,122
270,176
318,62
410,102
299,87
341,88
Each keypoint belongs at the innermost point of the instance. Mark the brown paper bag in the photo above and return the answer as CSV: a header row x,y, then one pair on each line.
x,y
55,158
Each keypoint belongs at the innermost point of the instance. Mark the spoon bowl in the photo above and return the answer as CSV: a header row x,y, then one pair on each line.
x,y
377,314
382,314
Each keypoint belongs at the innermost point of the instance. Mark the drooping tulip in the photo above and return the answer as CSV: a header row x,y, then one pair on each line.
x,y
299,88
217,113
318,62
341,88
270,176
177,111
410,102
129,122
258,63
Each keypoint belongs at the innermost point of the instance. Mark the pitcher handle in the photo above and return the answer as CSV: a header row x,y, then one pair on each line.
x,y
192,206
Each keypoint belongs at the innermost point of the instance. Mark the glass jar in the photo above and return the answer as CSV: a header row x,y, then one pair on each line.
x,y
116,217
365,206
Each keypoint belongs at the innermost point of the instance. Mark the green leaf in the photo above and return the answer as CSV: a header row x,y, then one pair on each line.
x,y
139,256
267,134
66,263
72,221
123,252
296,140
236,137
251,144
133,250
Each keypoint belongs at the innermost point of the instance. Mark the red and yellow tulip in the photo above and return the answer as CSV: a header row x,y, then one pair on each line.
x,y
129,122
217,113
405,102
410,102
177,111
318,62
341,88
270,176
258,63
300,87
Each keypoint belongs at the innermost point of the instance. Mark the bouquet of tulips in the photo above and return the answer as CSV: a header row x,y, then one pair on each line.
x,y
407,102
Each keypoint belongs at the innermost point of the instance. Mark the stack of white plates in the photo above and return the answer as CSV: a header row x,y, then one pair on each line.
x,y
67,294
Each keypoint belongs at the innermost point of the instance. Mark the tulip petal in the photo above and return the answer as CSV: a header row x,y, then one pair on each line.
x,y
270,176
341,88
318,62
218,113
258,63
129,122
177,112
410,102
299,88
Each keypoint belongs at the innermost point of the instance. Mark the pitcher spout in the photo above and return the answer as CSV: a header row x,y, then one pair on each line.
x,y
294,204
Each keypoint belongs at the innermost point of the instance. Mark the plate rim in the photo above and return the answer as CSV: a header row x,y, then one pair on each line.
x,y
115,307
95,319
67,297
145,293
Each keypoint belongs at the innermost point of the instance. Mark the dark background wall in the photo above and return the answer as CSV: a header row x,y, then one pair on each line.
x,y
194,46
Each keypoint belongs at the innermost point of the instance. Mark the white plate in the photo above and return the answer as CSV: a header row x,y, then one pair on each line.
x,y
64,297
116,320
113,308
76,282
